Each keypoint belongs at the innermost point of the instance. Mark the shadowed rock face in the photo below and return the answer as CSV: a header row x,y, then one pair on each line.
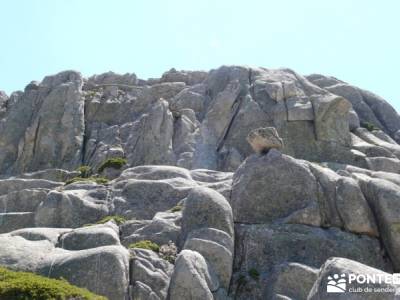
x,y
320,194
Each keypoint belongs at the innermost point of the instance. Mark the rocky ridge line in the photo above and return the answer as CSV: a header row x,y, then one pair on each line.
x,y
320,193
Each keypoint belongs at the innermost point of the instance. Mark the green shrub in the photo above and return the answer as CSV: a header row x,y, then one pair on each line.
x,y
369,126
149,245
254,274
118,219
241,280
176,208
85,171
23,285
98,180
116,163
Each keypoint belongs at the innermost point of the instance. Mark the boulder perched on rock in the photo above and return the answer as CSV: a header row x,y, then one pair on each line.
x,y
264,139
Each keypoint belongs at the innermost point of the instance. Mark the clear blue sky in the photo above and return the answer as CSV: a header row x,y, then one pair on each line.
x,y
355,40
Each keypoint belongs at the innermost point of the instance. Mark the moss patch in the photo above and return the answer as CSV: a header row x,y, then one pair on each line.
x,y
116,163
149,245
117,219
98,180
176,208
23,285
369,126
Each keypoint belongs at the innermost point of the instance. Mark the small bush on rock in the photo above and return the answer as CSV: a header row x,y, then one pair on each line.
x,y
254,274
98,180
369,126
241,280
116,163
23,285
146,244
117,219
85,171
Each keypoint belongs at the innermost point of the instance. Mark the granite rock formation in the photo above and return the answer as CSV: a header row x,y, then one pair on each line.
x,y
237,183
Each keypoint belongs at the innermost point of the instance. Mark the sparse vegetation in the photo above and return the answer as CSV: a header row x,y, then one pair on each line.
x,y
116,163
176,208
117,219
85,171
98,180
91,93
254,274
241,280
24,285
369,126
145,244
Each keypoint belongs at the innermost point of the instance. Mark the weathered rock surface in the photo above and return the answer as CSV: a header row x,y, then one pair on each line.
x,y
206,208
72,208
29,131
150,275
192,278
293,280
163,228
246,226
257,193
262,248
199,121
141,192
369,107
90,237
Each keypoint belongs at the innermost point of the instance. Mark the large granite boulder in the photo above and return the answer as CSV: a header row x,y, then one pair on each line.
x,y
90,237
192,278
269,187
72,208
150,275
206,208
